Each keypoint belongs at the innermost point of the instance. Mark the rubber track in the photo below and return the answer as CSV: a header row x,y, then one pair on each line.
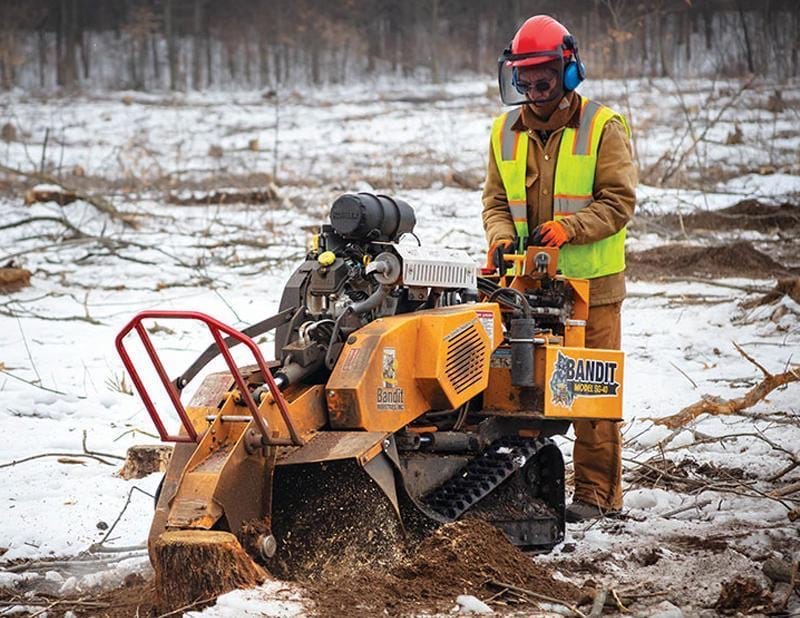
x,y
481,476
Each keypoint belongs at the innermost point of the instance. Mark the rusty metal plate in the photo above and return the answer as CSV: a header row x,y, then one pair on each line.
x,y
333,445
211,390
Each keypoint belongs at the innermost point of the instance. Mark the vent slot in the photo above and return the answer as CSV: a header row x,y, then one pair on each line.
x,y
466,353
439,275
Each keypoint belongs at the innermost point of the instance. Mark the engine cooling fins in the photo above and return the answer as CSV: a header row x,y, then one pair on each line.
x,y
516,483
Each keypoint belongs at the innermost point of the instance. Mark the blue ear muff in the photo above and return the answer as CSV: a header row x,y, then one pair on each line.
x,y
574,73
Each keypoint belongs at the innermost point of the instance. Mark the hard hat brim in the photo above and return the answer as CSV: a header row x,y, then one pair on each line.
x,y
539,57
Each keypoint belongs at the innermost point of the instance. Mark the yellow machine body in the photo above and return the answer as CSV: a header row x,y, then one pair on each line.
x,y
389,374
395,369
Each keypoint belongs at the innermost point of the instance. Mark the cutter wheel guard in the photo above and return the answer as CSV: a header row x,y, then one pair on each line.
x,y
409,388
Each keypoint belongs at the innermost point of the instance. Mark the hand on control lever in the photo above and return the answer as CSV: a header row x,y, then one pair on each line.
x,y
549,234
498,250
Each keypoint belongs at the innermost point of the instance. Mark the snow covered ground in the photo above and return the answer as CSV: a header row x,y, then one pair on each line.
x,y
68,421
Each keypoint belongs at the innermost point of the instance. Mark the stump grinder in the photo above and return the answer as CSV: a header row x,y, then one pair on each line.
x,y
409,388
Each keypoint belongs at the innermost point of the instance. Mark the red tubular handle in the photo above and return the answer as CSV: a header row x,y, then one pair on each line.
x,y
216,328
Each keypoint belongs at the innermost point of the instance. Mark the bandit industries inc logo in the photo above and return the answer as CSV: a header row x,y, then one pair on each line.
x,y
582,377
390,396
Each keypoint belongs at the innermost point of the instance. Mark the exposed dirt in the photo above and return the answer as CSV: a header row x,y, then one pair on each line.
x,y
459,558
742,595
746,215
136,598
712,544
254,196
738,259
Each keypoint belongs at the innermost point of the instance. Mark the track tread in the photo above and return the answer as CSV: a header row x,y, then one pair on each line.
x,y
481,476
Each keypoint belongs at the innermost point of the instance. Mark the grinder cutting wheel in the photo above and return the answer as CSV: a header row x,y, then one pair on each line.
x,y
406,391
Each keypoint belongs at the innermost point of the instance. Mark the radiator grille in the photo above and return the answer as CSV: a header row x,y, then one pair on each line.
x,y
439,275
438,268
465,358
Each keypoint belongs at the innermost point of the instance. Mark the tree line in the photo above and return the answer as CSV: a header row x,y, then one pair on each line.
x,y
202,44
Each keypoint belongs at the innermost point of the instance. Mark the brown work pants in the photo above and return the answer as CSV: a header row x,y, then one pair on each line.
x,y
597,455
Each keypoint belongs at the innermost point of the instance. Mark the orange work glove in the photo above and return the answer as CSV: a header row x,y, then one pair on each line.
x,y
494,257
550,234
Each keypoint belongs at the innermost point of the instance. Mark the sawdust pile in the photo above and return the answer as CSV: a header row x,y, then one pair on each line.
x,y
739,259
459,558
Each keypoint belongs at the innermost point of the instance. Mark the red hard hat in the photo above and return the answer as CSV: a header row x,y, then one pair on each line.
x,y
540,33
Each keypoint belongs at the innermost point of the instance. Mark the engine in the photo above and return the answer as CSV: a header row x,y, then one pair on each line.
x,y
357,271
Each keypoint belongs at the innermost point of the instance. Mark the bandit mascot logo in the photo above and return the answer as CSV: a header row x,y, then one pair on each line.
x,y
581,377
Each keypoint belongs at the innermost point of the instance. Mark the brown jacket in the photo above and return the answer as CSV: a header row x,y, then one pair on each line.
x,y
614,189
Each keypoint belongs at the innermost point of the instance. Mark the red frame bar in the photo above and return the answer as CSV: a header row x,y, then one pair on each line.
x,y
216,328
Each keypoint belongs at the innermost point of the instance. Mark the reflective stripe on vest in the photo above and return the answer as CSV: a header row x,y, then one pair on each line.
x,y
572,190
511,154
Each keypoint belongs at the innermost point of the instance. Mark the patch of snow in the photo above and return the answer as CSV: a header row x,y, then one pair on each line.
x,y
775,187
468,604
665,609
273,599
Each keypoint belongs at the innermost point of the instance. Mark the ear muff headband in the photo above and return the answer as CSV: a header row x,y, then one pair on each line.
x,y
574,70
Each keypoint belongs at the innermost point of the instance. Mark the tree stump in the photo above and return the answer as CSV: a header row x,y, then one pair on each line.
x,y
14,279
144,459
193,567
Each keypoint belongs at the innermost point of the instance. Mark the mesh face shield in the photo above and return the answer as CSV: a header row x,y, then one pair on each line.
x,y
534,78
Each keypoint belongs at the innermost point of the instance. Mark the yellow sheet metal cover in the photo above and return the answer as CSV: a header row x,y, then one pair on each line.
x,y
583,383
333,445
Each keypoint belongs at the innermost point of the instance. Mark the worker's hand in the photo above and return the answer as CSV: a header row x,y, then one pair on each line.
x,y
550,234
497,251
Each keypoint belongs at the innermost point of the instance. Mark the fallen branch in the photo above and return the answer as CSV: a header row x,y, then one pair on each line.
x,y
86,453
49,318
698,504
97,453
95,547
98,202
43,455
786,490
50,604
716,406
743,288
183,608
39,386
684,374
599,602
537,595
82,562
618,602
784,287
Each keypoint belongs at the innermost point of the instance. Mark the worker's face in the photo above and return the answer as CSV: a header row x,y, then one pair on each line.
x,y
542,82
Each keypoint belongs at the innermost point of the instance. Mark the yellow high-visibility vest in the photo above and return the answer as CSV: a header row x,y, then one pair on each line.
x,y
574,184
